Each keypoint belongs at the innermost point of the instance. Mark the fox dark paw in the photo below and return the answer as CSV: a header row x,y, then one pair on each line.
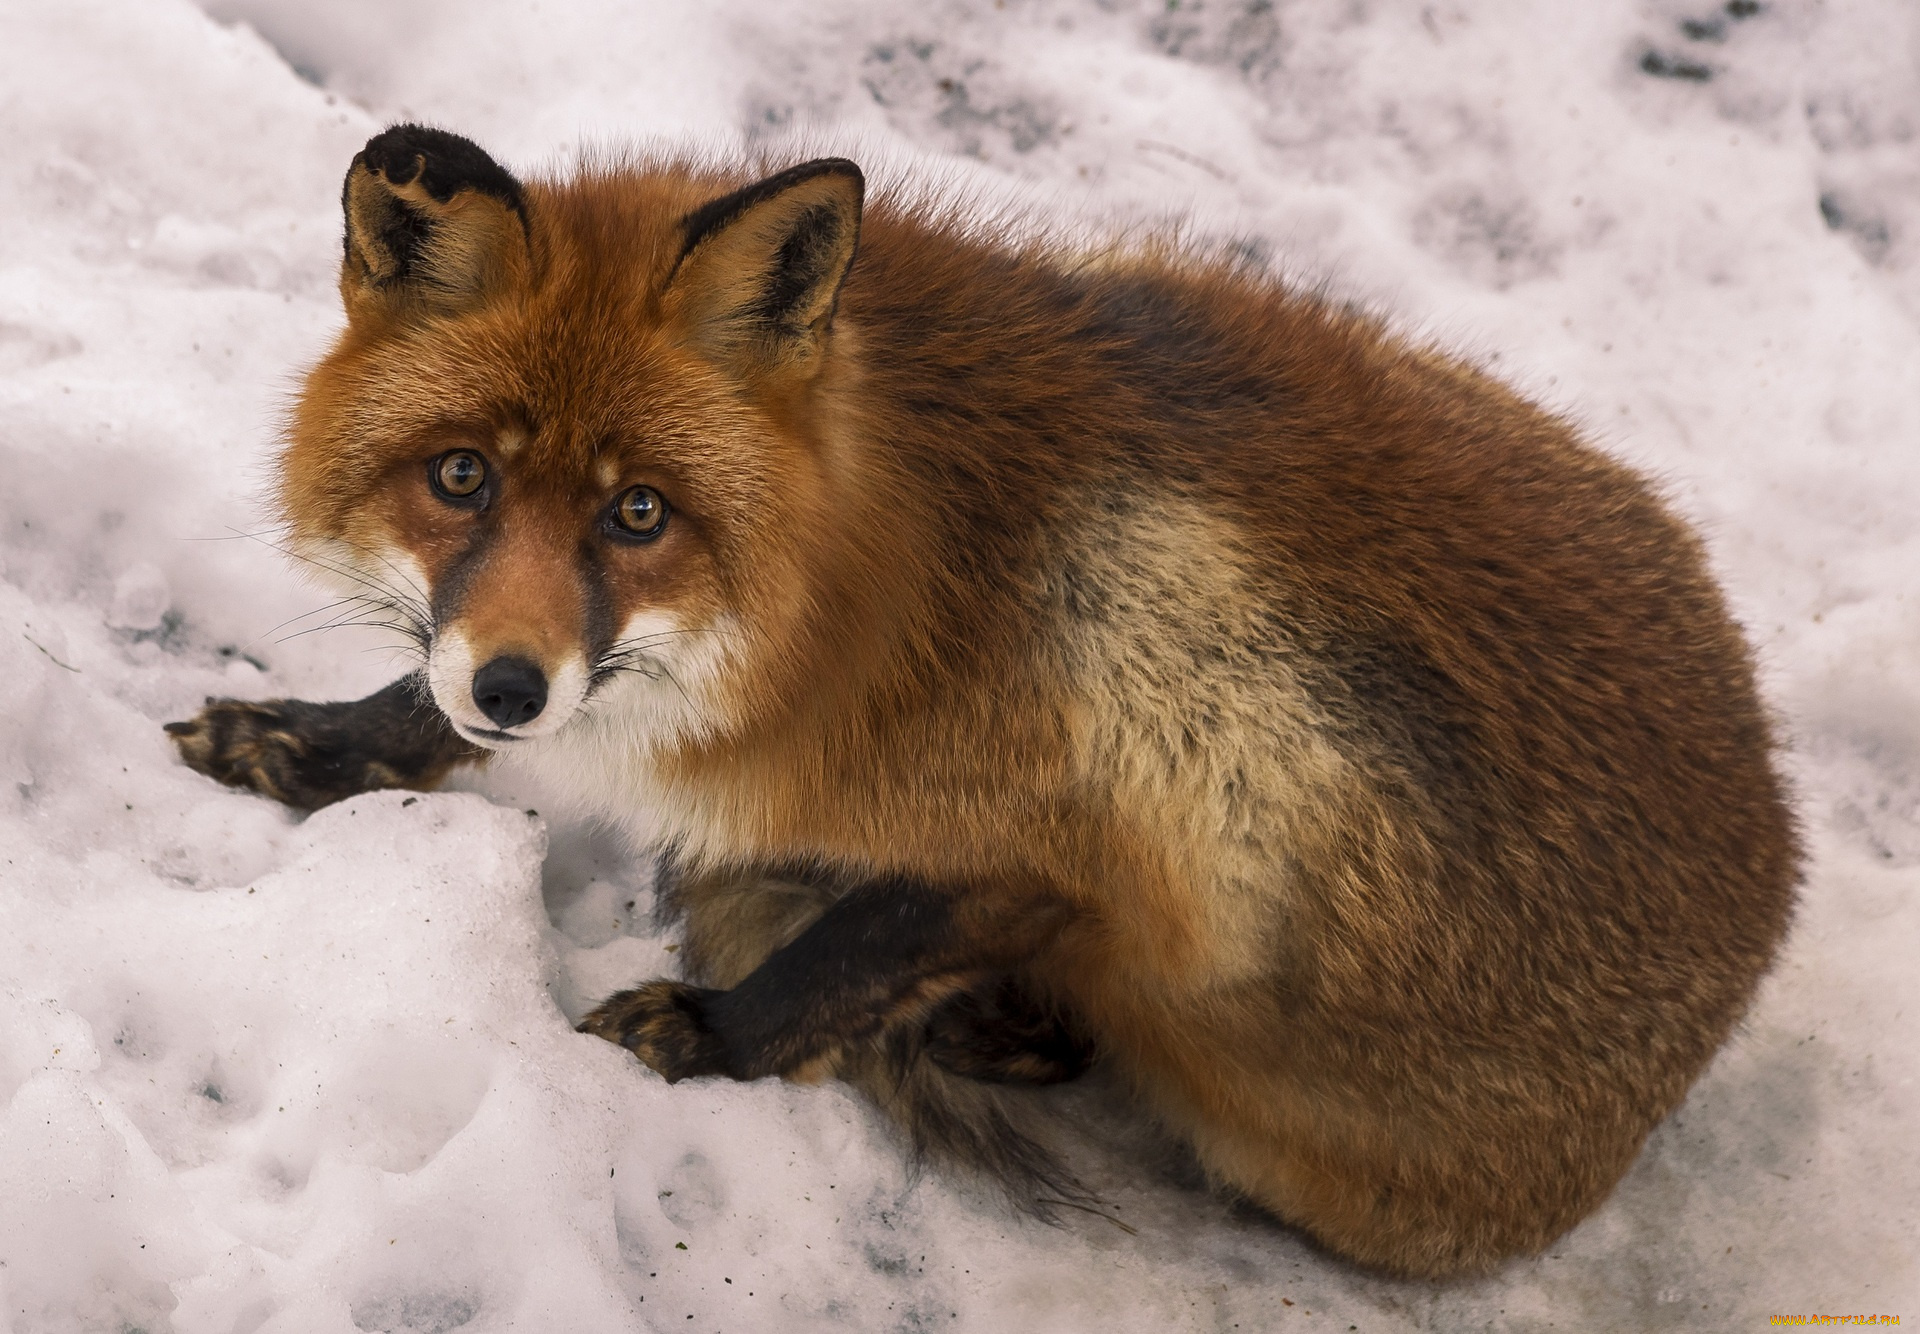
x,y
278,748
312,755
663,1023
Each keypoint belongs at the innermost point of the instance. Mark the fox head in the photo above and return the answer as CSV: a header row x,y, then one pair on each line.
x,y
576,438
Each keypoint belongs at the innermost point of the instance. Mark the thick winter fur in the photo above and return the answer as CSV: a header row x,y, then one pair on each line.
x,y
1049,652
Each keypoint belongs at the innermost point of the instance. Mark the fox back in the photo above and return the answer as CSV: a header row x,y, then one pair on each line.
x,y
1359,764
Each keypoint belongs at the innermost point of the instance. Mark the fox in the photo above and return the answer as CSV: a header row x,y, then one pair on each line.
x,y
1028,655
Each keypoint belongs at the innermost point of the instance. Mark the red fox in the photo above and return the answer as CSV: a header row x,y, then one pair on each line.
x,y
1033,656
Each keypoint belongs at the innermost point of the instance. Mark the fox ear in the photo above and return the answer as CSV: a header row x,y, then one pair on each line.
x,y
434,225
760,269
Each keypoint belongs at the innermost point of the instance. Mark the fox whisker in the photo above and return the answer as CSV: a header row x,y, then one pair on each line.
x,y
407,611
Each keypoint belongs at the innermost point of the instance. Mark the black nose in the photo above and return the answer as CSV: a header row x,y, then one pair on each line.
x,y
510,691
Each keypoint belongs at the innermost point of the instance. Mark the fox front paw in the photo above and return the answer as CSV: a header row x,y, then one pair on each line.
x,y
664,1024
311,755
279,748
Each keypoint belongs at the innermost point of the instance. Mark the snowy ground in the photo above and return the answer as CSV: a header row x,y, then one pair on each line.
x,y
263,1074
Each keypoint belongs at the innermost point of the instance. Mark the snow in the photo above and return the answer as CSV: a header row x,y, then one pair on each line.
x,y
265,1074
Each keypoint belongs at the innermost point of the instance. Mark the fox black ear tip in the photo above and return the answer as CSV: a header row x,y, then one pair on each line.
x,y
449,162
844,167
395,151
409,137
812,170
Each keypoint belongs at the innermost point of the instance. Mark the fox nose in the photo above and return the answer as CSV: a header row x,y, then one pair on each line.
x,y
510,691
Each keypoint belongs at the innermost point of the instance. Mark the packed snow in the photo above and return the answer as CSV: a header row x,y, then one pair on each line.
x,y
259,1073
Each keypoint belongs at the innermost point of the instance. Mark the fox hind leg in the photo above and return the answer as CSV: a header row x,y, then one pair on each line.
x,y
882,984
735,916
311,755
997,1030
994,1033
1001,1033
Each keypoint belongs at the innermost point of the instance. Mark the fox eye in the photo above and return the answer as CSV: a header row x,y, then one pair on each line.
x,y
640,512
457,476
